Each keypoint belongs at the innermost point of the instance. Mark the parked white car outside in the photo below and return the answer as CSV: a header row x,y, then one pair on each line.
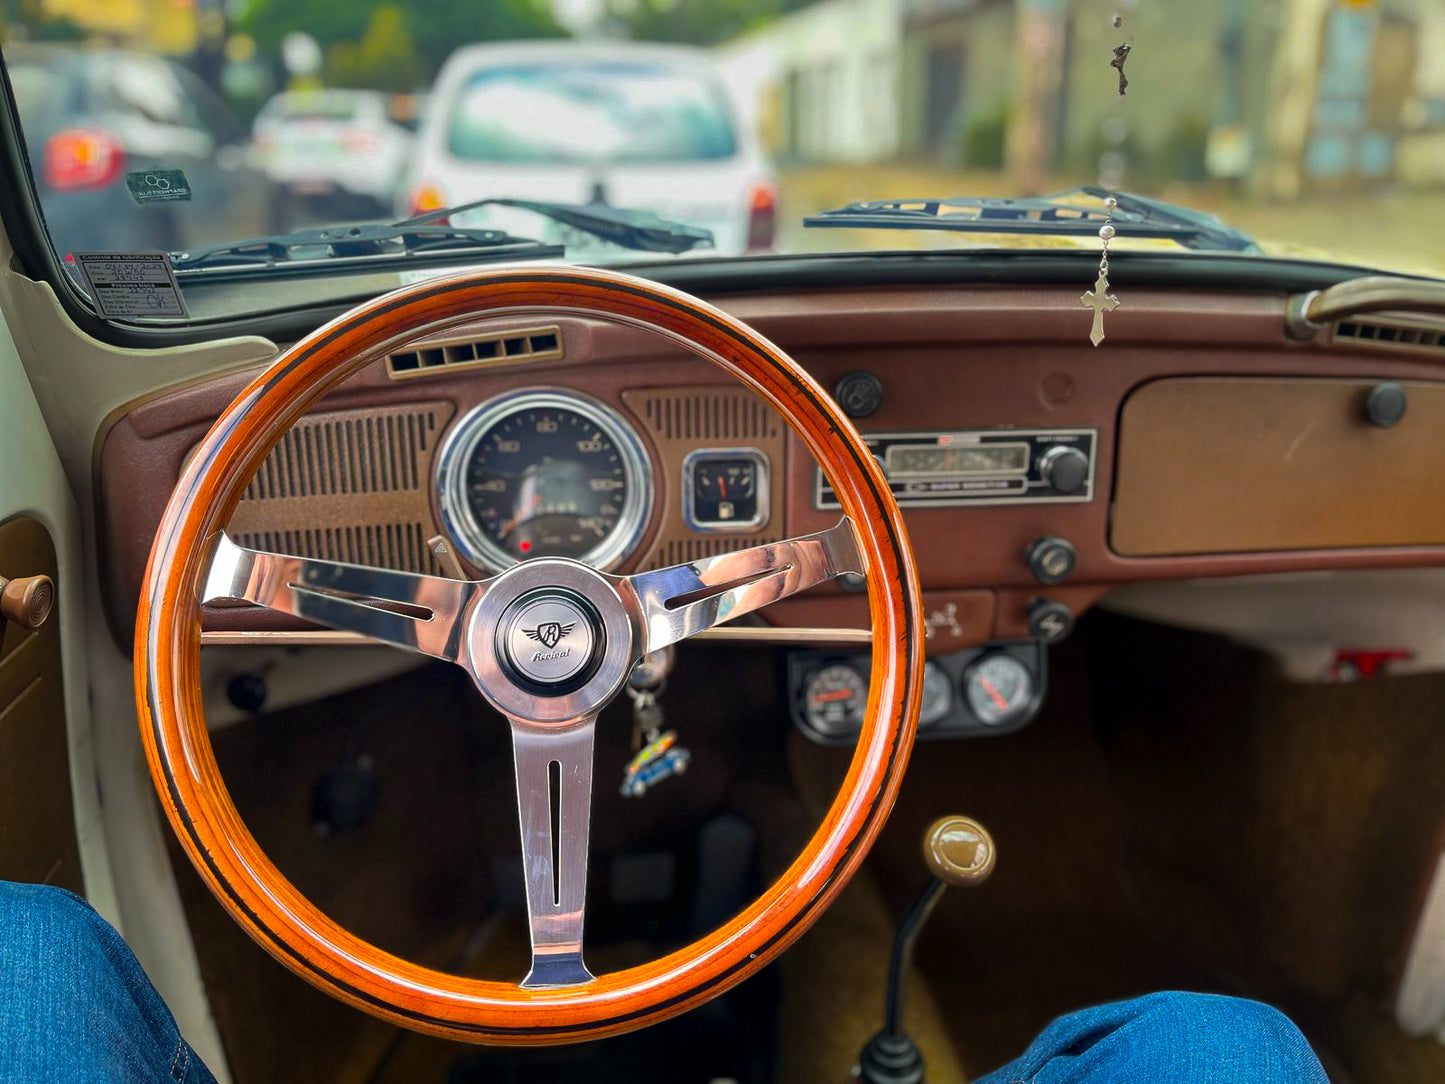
x,y
647,127
333,143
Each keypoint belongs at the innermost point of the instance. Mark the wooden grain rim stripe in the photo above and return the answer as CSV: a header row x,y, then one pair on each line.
x,y
885,523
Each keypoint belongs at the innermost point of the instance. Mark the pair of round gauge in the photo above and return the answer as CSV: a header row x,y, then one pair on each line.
x,y
997,689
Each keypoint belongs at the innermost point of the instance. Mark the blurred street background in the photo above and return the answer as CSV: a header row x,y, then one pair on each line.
x,y
1316,126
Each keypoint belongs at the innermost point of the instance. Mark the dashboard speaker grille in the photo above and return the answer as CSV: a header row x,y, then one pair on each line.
x,y
684,419
675,551
722,416
365,473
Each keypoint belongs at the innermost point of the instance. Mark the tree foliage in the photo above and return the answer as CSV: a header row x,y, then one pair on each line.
x,y
694,22
434,29
384,59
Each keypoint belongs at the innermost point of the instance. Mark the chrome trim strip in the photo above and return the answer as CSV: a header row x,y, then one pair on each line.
x,y
737,634
461,526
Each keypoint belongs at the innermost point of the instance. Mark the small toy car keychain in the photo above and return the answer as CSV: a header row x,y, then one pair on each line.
x,y
657,754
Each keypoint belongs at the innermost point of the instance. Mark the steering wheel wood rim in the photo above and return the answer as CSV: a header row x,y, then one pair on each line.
x,y
258,896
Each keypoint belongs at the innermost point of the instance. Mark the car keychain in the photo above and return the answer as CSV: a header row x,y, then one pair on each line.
x,y
656,753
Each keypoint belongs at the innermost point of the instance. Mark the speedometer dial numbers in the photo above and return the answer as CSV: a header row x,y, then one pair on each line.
x,y
546,481
544,474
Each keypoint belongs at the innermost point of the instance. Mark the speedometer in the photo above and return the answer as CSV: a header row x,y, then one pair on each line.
x,y
543,474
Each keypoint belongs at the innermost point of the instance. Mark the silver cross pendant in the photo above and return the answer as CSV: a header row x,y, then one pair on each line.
x,y
1101,301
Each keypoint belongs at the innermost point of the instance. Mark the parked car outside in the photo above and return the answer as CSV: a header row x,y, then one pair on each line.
x,y
633,125
340,152
92,116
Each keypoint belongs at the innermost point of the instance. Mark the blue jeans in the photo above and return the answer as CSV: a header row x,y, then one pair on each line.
x,y
1168,1038
75,1005
74,1002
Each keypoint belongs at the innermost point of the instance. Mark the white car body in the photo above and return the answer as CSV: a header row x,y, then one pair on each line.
x,y
323,142
577,104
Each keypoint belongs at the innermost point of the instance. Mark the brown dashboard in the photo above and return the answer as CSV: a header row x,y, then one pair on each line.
x,y
1216,444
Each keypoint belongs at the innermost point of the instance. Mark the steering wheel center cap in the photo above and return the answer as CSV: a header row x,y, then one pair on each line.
x,y
550,640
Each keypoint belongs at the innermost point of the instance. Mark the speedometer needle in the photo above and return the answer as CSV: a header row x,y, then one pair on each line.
x,y
836,694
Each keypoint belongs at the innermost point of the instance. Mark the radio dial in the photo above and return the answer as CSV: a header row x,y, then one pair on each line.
x,y
1065,469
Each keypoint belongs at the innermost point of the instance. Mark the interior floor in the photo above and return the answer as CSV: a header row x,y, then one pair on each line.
x,y
1284,863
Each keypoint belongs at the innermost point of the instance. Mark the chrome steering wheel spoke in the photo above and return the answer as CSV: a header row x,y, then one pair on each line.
x,y
554,806
683,600
426,614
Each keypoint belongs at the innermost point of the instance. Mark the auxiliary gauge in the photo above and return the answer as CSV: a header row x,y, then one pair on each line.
x,y
834,700
999,689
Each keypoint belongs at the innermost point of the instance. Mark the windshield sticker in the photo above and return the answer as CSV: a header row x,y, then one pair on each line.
x,y
158,186
131,285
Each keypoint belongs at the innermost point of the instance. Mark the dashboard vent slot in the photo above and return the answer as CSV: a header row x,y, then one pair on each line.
x,y
1391,335
502,348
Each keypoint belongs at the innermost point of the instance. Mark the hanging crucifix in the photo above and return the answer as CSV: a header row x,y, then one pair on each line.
x,y
1101,301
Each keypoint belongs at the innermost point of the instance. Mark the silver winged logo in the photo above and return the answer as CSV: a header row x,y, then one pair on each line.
x,y
550,633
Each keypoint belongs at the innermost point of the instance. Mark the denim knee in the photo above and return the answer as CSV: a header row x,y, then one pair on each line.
x,y
47,932
1249,1039
1168,1038
76,1004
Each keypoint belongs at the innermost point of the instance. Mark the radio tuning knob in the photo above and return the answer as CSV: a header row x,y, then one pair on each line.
x,y
1065,469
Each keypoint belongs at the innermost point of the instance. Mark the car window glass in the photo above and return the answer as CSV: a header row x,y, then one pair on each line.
x,y
587,113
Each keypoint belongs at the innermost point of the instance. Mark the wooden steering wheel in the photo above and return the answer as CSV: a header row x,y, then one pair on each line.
x,y
598,626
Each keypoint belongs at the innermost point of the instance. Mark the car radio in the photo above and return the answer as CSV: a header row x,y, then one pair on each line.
x,y
980,466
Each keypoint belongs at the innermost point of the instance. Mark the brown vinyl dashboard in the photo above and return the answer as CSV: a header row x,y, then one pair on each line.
x,y
1218,445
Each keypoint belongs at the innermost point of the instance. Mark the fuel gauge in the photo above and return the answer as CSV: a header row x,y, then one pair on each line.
x,y
725,489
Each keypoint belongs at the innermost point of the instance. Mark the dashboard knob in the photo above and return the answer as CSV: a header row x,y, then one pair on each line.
x,y
859,393
1050,559
1065,469
26,600
1049,621
1385,404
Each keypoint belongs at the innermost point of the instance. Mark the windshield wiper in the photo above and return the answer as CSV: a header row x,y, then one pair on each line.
x,y
1058,215
362,246
635,229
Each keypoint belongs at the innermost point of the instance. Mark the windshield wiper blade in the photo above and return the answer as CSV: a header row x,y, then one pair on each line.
x,y
1057,215
635,229
360,245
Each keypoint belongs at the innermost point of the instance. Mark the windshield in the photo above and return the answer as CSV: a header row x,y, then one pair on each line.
x,y
1303,130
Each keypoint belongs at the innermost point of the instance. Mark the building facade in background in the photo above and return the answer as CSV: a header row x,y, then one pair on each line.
x,y
1282,96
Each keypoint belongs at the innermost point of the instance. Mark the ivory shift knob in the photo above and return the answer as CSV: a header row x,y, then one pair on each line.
x,y
959,850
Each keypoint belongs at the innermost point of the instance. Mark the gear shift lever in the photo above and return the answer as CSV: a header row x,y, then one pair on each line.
x,y
957,851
